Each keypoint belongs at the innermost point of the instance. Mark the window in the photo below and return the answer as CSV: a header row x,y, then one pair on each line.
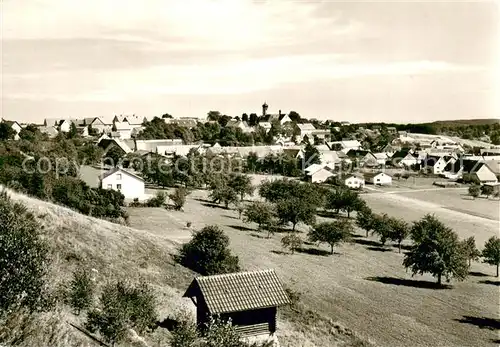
x,y
119,186
110,186
118,177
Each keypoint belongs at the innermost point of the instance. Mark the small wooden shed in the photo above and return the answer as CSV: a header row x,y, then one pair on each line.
x,y
249,299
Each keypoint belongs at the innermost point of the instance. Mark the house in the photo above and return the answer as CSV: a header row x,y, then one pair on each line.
x,y
436,164
364,158
238,124
316,173
125,182
151,145
345,145
97,124
15,126
322,134
107,143
405,158
249,299
378,178
51,131
185,122
476,168
304,130
381,158
266,125
494,166
391,130
354,182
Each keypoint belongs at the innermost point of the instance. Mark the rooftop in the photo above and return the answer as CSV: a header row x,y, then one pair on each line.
x,y
239,291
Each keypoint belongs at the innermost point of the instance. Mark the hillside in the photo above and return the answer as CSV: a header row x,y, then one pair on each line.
x,y
121,252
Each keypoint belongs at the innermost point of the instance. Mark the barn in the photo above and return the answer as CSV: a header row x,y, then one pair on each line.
x,y
249,299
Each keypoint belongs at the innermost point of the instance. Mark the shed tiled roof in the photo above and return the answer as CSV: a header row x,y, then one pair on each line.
x,y
239,291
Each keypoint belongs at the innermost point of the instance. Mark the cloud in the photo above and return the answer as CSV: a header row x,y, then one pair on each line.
x,y
238,77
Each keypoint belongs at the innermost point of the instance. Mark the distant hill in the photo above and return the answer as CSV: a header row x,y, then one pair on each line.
x,y
467,121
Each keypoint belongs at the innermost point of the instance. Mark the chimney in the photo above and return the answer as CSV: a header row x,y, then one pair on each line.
x,y
279,112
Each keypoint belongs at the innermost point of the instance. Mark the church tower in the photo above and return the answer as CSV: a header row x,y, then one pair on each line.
x,y
264,109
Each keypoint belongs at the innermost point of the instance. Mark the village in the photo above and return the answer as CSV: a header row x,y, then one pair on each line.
x,y
404,177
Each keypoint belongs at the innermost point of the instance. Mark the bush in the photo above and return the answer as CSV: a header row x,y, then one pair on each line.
x,y
24,258
81,291
179,198
291,242
185,333
157,201
208,254
123,307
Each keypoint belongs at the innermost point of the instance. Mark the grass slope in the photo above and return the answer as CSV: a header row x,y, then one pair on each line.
x,y
121,252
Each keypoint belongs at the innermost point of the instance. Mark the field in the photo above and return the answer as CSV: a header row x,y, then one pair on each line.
x,y
362,285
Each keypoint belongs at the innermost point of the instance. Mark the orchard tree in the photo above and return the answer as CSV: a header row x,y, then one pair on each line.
x,y
491,252
331,233
474,191
295,210
399,230
470,249
179,197
242,184
382,227
436,250
364,219
259,212
291,242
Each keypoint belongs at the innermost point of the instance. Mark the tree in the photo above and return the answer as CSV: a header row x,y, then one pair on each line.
x,y
474,191
436,250
81,291
491,252
208,252
350,201
487,190
399,230
295,210
259,212
253,119
123,307
242,184
331,232
184,333
382,227
311,155
224,194
291,242
364,219
73,131
6,132
115,155
179,198
24,257
470,249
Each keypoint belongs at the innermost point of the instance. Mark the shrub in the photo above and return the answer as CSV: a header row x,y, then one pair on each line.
x,y
157,201
291,242
474,191
185,333
24,258
81,291
179,198
208,254
123,307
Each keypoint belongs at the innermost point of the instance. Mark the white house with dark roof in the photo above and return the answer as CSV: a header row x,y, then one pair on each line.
x,y
354,182
125,182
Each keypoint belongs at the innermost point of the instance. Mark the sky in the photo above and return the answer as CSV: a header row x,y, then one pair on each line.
x,y
357,61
